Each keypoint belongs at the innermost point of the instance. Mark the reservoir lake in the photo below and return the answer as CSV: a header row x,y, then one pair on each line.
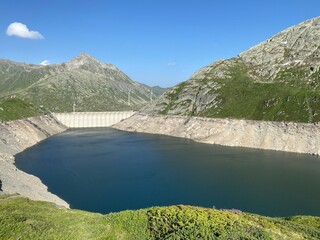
x,y
106,170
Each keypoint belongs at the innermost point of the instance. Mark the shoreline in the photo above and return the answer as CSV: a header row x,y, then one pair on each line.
x,y
16,136
279,136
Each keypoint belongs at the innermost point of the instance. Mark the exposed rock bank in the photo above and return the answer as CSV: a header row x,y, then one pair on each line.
x,y
15,137
282,136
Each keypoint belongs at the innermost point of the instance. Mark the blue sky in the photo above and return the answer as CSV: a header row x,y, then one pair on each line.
x,y
154,42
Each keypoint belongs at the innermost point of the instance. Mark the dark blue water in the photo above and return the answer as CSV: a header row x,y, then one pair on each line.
x,y
105,170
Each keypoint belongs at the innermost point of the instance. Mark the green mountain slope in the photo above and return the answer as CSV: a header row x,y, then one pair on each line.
x,y
85,81
21,218
13,109
279,80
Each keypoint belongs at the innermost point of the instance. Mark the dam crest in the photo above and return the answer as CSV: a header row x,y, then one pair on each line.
x,y
92,119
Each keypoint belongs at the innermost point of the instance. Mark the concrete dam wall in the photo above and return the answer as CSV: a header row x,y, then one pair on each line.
x,y
91,119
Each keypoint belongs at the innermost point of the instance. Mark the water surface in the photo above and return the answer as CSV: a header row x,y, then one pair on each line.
x,y
106,170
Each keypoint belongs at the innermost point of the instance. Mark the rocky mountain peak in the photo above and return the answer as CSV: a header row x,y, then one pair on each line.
x,y
87,62
295,46
83,59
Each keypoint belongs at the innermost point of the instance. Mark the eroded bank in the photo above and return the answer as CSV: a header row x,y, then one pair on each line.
x,y
282,136
16,136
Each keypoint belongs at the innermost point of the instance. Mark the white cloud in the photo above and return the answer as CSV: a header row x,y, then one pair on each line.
x,y
21,30
45,63
171,63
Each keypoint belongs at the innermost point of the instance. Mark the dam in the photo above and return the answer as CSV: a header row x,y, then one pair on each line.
x,y
92,119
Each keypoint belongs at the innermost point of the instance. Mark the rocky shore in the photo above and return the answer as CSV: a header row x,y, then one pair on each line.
x,y
16,136
282,136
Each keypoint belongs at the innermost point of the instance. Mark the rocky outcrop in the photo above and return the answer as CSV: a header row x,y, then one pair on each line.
x,y
295,46
276,80
15,137
282,136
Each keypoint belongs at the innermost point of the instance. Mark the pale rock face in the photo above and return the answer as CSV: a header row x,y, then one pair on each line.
x,y
297,45
86,59
197,94
290,137
16,136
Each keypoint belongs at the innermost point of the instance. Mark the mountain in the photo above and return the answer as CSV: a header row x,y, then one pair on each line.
x,y
278,79
14,108
85,81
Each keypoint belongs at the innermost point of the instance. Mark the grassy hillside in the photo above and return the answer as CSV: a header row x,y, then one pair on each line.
x,y
14,108
235,92
242,97
21,218
276,80
84,81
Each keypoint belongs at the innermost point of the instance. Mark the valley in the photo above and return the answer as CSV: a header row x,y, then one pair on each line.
x,y
266,97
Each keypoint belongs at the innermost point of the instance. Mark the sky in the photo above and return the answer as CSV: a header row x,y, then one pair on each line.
x,y
156,42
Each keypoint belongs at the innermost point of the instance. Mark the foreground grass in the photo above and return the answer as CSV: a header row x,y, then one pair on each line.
x,y
21,218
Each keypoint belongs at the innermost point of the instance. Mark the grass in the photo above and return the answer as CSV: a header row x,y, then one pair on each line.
x,y
282,100
14,108
57,87
21,218
293,95
173,94
270,102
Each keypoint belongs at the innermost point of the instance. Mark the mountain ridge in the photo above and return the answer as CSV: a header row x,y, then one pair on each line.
x,y
265,82
292,46
89,83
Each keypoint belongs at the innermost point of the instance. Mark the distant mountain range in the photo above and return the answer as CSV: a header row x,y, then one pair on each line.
x,y
278,79
83,82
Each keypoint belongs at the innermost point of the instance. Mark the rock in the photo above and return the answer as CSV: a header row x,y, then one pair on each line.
x,y
295,46
290,137
282,71
15,136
